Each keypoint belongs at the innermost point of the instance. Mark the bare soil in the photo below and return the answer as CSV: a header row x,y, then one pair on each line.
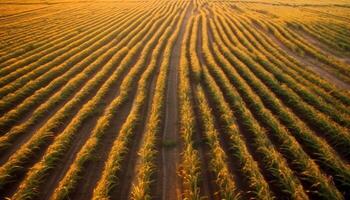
x,y
93,169
128,171
312,64
342,56
171,156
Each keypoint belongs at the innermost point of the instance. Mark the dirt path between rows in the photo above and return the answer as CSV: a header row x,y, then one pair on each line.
x,y
310,63
329,51
128,171
170,155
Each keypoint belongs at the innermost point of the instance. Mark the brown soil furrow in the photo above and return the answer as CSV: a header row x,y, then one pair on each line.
x,y
69,157
170,156
20,176
208,186
207,179
93,169
224,138
310,63
231,162
128,172
324,48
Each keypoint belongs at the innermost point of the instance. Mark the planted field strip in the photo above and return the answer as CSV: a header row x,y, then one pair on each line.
x,y
32,27
313,100
125,88
103,123
303,72
35,48
30,43
72,29
41,66
300,46
18,131
38,34
62,114
246,60
190,171
37,84
175,100
282,65
40,95
305,136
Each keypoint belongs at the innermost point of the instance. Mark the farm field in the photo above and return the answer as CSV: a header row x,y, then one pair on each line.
x,y
174,99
